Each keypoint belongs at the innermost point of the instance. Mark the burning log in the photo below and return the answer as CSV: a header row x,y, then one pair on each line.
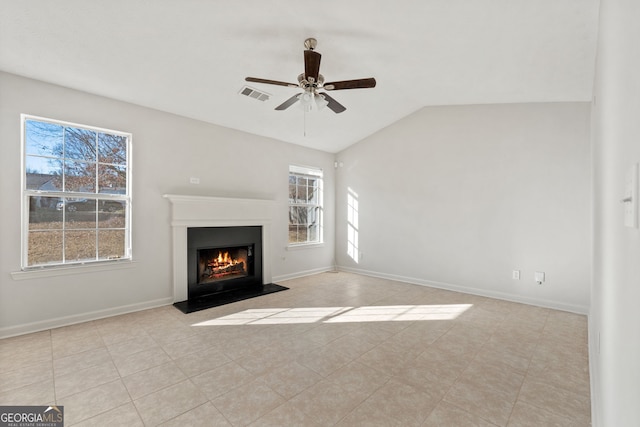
x,y
221,266
227,269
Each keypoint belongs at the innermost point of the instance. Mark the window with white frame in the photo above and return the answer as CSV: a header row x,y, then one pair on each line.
x,y
305,205
75,193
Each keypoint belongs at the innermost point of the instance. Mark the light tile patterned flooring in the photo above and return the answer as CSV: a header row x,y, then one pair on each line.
x,y
336,349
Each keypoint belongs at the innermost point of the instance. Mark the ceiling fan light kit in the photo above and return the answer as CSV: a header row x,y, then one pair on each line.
x,y
311,81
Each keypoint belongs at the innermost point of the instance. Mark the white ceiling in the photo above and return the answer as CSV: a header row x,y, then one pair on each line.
x,y
190,57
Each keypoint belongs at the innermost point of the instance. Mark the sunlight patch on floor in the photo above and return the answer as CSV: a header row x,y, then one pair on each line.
x,y
388,313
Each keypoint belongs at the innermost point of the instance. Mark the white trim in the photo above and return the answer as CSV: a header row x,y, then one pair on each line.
x,y
185,198
72,124
305,273
210,211
473,291
43,325
306,170
301,246
594,371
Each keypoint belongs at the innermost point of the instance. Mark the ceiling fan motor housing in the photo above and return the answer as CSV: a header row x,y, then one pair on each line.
x,y
310,85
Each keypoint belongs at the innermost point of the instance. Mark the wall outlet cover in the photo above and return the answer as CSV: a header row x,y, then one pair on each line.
x,y
630,200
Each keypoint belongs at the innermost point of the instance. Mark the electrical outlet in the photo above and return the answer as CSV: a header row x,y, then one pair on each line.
x,y
630,200
516,275
539,277
194,180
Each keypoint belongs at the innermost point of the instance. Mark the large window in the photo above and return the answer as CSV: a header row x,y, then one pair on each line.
x,y
305,205
76,197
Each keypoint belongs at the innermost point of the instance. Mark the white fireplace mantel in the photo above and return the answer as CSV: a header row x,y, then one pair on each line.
x,y
205,211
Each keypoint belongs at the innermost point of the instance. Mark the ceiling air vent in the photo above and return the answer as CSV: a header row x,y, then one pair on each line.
x,y
254,93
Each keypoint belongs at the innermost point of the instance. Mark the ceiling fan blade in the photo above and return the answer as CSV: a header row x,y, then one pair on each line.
x,y
311,64
351,84
333,105
289,102
270,82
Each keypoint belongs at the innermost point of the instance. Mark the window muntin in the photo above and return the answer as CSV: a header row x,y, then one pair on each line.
x,y
305,205
76,193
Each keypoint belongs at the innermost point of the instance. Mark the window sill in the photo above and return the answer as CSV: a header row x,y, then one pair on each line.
x,y
37,273
301,246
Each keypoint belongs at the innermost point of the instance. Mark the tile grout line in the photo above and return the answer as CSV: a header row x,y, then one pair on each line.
x,y
546,319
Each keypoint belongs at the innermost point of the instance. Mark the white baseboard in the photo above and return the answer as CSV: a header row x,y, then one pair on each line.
x,y
474,291
43,325
302,274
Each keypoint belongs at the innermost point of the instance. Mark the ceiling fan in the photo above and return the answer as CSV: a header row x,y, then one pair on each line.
x,y
311,81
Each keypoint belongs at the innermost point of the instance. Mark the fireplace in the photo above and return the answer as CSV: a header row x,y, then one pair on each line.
x,y
223,259
206,222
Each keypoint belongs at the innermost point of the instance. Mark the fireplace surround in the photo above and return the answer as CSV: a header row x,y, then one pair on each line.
x,y
189,212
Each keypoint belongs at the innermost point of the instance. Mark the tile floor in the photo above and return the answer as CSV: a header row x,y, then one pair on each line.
x,y
336,349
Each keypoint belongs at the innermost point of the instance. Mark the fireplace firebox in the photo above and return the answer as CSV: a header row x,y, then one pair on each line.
x,y
223,260
226,263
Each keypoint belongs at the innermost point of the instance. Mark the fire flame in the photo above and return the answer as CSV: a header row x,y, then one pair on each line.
x,y
224,260
223,265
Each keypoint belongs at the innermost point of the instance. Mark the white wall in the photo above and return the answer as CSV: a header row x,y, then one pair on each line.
x,y
167,151
458,197
615,315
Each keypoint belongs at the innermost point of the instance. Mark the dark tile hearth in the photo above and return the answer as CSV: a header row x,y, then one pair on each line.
x,y
222,298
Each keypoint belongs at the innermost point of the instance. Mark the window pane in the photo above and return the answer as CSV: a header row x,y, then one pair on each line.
x,y
43,214
309,215
112,179
45,247
292,192
297,234
312,231
313,195
43,174
80,176
301,194
44,139
80,245
111,214
80,213
298,215
293,233
79,144
112,149
111,244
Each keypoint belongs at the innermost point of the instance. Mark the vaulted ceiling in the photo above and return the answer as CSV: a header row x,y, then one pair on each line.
x,y
190,57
